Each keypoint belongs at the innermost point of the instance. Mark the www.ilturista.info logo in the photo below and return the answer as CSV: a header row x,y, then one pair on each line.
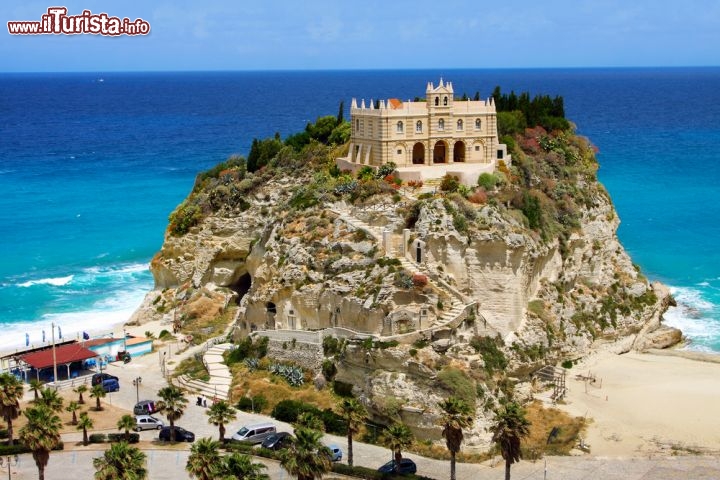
x,y
58,22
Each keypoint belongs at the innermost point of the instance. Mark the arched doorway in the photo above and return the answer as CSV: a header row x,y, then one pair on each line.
x,y
418,155
459,151
440,152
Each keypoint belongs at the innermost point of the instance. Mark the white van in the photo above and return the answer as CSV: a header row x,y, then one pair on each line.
x,y
256,433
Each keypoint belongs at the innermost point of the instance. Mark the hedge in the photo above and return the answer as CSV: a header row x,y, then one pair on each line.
x,y
120,437
371,474
289,410
18,449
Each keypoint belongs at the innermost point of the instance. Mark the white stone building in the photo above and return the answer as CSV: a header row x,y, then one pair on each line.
x,y
426,139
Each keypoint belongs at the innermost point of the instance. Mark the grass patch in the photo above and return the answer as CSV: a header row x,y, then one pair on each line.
x,y
194,368
275,389
543,420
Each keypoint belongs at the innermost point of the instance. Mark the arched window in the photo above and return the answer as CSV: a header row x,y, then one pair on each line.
x,y
399,127
459,125
478,124
437,101
418,126
441,124
357,124
445,101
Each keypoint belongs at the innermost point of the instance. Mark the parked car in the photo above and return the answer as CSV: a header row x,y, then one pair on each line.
x,y
407,466
99,378
256,433
147,422
335,452
278,440
111,385
181,435
144,407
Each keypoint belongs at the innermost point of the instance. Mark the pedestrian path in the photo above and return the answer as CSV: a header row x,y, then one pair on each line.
x,y
218,386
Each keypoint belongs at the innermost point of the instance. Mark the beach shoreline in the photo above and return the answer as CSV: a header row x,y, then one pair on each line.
x,y
652,403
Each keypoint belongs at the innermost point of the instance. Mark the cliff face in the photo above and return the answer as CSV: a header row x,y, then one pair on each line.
x,y
306,250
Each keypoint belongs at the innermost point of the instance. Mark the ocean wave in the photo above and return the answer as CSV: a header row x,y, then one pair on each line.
x,y
696,316
54,281
102,316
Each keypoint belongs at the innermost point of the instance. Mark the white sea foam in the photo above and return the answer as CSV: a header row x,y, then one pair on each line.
x,y
100,317
696,316
54,281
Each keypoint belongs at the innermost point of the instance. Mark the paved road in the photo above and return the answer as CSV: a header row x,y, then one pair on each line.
x,y
166,463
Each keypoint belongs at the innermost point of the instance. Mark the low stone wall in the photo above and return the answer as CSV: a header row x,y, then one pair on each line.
x,y
309,356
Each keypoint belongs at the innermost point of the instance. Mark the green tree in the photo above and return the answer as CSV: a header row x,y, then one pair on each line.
x,y
456,415
41,435
73,407
204,460
173,405
97,393
310,420
11,391
51,399
85,423
36,386
241,466
220,414
398,438
508,429
127,423
306,458
341,113
121,462
80,389
354,414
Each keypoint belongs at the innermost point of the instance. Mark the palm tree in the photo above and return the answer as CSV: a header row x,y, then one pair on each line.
x,y
204,460
456,415
354,414
85,424
97,393
306,458
80,389
11,391
397,438
173,405
36,385
127,423
41,435
509,428
238,465
73,408
51,399
121,462
311,421
220,414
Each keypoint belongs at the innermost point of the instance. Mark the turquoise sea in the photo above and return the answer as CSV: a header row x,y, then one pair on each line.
x,y
91,164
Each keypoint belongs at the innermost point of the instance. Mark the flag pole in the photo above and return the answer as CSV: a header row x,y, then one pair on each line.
x,y
55,379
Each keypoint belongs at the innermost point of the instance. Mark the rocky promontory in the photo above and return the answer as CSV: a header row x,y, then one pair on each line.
x,y
426,290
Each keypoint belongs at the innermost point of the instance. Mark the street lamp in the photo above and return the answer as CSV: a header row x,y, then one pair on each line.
x,y
137,383
10,461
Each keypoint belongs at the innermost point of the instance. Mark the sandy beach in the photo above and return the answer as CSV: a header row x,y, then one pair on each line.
x,y
644,404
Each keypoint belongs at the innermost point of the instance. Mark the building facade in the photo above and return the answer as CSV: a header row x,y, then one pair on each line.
x,y
437,131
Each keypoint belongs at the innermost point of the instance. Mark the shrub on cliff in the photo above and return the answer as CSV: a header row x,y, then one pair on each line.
x,y
186,215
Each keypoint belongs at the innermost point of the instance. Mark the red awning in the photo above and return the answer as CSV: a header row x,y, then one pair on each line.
x,y
63,354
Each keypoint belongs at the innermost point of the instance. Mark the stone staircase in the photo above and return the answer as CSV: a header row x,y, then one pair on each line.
x,y
220,378
457,302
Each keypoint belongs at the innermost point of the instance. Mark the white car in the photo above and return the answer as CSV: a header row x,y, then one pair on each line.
x,y
147,422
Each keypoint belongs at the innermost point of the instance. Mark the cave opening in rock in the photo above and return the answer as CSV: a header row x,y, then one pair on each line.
x,y
241,286
271,307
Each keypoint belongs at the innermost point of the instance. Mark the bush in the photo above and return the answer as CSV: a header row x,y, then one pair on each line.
x,y
371,473
449,183
487,181
419,280
459,384
185,216
289,411
493,357
567,364
329,370
478,196
255,404
120,437
97,438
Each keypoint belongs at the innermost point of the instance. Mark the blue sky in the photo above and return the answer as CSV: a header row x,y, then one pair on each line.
x,y
373,34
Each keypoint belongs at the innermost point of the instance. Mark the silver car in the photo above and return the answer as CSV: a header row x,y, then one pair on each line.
x,y
147,422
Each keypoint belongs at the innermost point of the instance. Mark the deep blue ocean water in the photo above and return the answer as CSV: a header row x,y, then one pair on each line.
x,y
91,164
